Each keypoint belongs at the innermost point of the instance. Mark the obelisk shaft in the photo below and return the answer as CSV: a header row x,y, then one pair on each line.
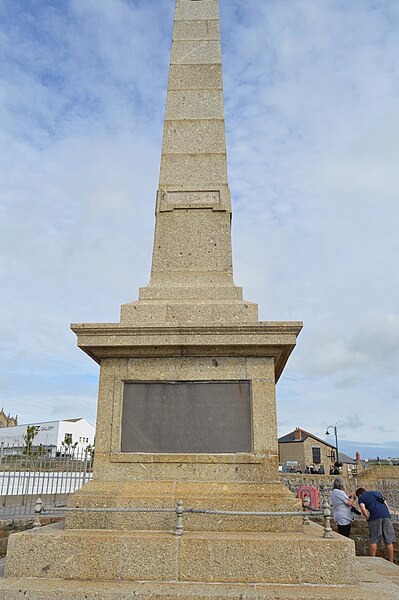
x,y
192,255
192,245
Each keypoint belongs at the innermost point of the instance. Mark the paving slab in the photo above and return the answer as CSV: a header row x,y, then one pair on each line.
x,y
37,589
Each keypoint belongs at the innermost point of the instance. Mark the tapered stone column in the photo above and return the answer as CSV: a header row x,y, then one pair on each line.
x,y
192,271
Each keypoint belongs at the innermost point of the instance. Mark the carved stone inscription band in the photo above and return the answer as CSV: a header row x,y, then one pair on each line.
x,y
194,198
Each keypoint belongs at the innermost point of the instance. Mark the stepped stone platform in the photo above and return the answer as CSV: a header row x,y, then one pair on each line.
x,y
374,577
208,557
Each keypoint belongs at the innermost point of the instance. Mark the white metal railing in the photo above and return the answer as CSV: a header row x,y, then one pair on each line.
x,y
49,473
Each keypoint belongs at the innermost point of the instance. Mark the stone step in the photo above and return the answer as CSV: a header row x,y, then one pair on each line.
x,y
127,521
225,496
37,589
228,557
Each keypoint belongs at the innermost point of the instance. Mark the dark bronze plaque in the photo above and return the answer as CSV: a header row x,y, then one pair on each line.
x,y
187,417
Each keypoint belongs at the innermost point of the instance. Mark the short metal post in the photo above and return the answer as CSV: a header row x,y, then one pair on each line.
x,y
328,532
305,507
38,512
179,515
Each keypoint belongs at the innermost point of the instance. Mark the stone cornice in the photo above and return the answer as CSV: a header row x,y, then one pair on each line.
x,y
274,339
262,328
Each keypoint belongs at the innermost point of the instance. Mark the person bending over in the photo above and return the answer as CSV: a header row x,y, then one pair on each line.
x,y
376,512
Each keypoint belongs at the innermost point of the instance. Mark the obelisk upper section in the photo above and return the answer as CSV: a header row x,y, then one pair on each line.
x,y
192,257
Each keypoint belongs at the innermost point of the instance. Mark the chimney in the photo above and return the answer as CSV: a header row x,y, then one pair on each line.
x,y
357,456
298,434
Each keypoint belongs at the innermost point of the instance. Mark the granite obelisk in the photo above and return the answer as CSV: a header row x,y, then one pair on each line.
x,y
192,271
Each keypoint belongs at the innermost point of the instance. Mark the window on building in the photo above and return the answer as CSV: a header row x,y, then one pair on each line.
x,y
316,454
68,438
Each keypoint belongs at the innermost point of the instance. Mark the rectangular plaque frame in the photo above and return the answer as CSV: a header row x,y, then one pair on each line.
x,y
217,199
186,417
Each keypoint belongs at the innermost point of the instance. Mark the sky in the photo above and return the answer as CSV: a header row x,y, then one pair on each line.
x,y
312,115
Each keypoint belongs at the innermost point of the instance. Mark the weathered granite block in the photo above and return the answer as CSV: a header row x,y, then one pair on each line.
x,y
194,104
192,136
192,10
199,52
196,30
191,171
195,77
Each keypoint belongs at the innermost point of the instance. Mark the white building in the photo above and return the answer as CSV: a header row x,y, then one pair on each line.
x,y
51,434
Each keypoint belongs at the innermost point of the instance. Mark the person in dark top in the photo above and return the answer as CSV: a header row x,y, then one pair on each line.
x,y
376,512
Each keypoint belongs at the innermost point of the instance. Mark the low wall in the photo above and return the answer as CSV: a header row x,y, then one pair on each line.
x,y
388,486
377,472
360,535
25,503
307,479
14,525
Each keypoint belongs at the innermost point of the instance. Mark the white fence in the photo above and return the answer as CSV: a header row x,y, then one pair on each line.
x,y
28,483
52,475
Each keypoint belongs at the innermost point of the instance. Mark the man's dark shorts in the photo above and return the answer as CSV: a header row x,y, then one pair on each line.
x,y
381,530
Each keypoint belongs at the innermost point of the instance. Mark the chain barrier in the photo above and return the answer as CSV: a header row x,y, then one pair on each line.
x,y
180,511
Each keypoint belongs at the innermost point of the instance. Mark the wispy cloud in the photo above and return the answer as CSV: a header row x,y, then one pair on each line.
x,y
351,422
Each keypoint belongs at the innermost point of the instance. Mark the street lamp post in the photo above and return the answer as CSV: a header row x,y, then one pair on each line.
x,y
334,427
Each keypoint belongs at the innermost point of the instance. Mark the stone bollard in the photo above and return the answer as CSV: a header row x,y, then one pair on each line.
x,y
305,507
328,532
179,515
38,512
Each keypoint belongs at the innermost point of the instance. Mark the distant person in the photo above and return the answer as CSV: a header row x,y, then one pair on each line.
x,y
342,507
375,510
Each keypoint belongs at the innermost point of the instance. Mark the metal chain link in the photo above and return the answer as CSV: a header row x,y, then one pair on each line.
x,y
287,513
111,510
204,511
179,511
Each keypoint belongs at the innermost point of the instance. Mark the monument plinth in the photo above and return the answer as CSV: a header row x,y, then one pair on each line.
x,y
186,406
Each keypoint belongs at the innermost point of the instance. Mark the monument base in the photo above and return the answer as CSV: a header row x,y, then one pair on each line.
x,y
374,577
201,556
